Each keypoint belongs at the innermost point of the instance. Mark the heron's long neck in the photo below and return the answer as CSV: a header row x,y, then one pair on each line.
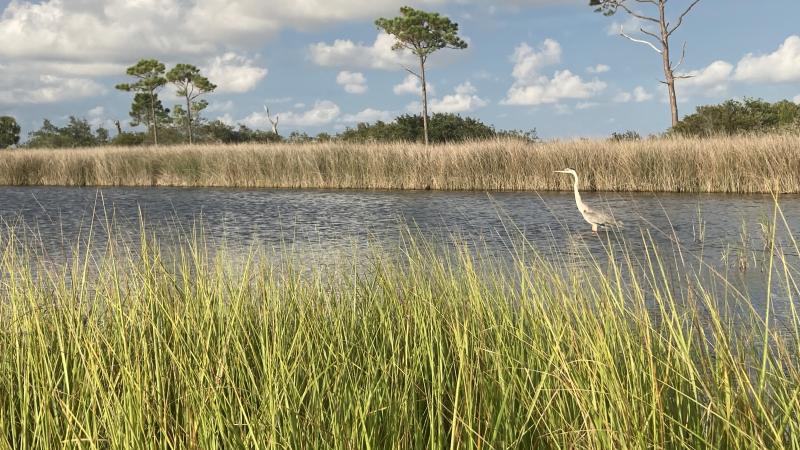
x,y
578,200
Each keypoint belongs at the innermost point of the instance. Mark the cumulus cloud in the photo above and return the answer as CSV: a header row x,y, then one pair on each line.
x,y
353,82
346,53
638,95
797,99
532,88
91,30
464,99
324,112
411,85
711,80
528,62
46,89
234,73
367,115
600,68
780,66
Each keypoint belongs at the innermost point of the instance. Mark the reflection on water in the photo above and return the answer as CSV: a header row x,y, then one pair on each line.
x,y
725,232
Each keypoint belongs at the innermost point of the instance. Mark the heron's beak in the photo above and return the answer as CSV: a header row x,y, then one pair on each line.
x,y
559,171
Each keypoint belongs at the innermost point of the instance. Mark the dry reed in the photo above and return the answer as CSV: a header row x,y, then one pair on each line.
x,y
747,164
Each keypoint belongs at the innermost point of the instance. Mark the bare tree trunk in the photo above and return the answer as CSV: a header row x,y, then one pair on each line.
x,y
153,117
189,118
669,75
665,30
424,99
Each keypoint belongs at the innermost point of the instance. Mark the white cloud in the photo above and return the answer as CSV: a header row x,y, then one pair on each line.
x,y
563,85
528,62
353,82
639,95
323,113
225,106
226,118
234,73
96,118
586,105
413,86
91,30
629,26
797,99
780,66
465,99
46,89
368,115
97,111
600,68
346,53
532,88
712,80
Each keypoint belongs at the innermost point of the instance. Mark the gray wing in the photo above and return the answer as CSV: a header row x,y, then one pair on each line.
x,y
599,217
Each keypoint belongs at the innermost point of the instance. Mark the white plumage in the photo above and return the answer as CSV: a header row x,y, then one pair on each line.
x,y
591,215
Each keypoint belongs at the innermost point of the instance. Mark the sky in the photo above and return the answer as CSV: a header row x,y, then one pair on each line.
x,y
322,65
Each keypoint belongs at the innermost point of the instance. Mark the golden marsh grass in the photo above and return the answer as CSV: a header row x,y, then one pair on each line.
x,y
747,164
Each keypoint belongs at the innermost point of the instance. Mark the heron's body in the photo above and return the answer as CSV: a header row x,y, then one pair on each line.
x,y
591,215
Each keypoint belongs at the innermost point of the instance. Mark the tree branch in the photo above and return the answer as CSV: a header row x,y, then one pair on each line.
x,y
683,57
640,41
411,71
649,33
680,18
638,16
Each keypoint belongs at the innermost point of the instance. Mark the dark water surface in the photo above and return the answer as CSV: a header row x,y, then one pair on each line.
x,y
725,232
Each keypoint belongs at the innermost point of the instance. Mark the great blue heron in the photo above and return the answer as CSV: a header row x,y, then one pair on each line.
x,y
589,214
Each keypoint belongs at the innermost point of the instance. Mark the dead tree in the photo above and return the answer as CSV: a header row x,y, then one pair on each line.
x,y
119,127
273,122
662,37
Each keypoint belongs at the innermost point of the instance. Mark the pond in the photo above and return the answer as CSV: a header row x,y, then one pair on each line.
x,y
707,233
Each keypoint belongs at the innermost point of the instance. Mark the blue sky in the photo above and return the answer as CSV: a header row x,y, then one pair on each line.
x,y
321,65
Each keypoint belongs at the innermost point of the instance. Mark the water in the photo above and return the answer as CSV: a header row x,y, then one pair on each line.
x,y
712,232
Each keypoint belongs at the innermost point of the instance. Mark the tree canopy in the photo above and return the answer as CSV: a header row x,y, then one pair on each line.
x,y
737,117
191,85
422,33
149,75
9,131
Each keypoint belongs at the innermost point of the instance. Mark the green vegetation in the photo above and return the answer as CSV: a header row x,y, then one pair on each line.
x,y
190,85
422,33
9,132
442,128
739,117
148,347
741,164
76,133
146,108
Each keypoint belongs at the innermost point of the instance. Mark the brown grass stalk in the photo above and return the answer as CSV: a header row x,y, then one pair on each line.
x,y
748,164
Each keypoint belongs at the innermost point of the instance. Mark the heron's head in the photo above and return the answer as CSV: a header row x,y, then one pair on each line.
x,y
568,170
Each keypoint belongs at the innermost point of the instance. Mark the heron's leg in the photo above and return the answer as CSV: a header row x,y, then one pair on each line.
x,y
594,228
